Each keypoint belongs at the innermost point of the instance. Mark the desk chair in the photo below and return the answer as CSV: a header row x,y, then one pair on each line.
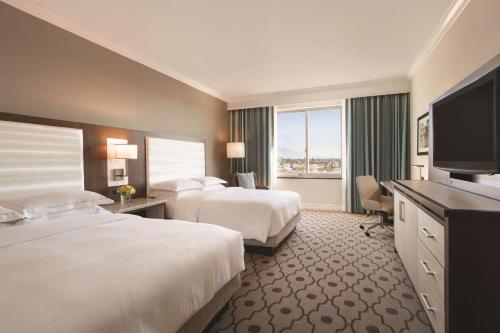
x,y
373,200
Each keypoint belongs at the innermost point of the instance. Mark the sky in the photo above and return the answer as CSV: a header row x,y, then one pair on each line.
x,y
324,134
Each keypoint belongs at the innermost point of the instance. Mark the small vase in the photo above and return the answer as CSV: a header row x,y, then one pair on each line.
x,y
124,198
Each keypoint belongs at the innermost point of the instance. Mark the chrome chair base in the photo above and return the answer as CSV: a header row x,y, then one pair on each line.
x,y
385,221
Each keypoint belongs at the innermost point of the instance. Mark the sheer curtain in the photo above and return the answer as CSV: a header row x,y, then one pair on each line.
x,y
255,127
378,141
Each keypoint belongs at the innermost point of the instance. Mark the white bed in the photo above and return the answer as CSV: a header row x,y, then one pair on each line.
x,y
112,273
264,217
86,270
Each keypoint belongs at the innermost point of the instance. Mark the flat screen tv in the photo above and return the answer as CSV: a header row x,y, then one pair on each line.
x,y
466,125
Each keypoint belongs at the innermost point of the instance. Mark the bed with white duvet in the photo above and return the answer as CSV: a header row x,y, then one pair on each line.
x,y
82,269
258,214
176,170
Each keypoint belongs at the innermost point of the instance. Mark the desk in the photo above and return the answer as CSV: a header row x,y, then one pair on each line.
x,y
388,187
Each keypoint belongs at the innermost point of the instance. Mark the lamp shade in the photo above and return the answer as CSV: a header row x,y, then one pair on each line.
x,y
235,149
128,152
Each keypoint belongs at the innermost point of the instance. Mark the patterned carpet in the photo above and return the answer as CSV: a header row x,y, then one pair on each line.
x,y
327,277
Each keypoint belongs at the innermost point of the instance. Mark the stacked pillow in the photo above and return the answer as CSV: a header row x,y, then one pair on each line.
x,y
178,185
207,181
178,188
40,205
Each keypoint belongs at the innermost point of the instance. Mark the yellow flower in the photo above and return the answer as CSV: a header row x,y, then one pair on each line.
x,y
126,190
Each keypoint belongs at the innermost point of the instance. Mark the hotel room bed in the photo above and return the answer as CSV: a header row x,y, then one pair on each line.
x,y
69,266
260,215
108,272
265,218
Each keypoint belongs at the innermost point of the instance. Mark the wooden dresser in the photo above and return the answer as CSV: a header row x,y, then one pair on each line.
x,y
449,242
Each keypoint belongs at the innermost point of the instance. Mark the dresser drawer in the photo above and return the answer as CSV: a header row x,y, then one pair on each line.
x,y
431,233
430,272
433,306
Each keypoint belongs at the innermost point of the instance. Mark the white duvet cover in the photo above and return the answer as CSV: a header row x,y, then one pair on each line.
x,y
111,273
257,214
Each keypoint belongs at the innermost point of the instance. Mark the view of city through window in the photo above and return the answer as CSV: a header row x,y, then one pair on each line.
x,y
309,143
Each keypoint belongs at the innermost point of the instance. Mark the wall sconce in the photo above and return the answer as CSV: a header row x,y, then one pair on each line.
x,y
235,149
419,166
119,152
126,152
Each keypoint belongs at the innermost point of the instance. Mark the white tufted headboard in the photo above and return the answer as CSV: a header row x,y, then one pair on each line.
x,y
39,159
168,159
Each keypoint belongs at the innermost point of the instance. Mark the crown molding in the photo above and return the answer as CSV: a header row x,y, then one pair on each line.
x,y
340,91
456,8
35,9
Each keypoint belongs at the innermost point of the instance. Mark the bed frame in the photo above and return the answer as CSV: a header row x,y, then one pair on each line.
x,y
36,159
168,159
208,315
273,243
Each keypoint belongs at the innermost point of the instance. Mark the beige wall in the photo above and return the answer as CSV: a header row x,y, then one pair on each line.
x,y
471,42
315,193
48,72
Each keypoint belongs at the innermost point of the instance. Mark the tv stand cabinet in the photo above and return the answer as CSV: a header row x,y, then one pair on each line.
x,y
449,242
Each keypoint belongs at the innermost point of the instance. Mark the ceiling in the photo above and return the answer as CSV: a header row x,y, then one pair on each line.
x,y
234,48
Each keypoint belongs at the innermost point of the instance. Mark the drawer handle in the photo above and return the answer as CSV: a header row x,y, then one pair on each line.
x,y
425,299
426,267
426,232
401,211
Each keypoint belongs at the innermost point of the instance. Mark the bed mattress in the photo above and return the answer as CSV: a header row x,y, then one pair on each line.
x,y
112,273
257,214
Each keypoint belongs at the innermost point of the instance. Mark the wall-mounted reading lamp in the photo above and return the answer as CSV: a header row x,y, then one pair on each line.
x,y
119,152
419,166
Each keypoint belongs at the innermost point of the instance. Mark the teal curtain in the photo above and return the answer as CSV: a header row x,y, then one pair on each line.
x,y
378,141
255,127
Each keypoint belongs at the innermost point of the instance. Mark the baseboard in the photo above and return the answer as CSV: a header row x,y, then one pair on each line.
x,y
321,206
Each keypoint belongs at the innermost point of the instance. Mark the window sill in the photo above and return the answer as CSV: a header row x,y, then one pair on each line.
x,y
336,177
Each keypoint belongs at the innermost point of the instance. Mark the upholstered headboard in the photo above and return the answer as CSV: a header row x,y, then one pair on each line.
x,y
39,159
168,159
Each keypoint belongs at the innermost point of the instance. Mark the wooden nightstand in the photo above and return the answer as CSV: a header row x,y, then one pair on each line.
x,y
146,207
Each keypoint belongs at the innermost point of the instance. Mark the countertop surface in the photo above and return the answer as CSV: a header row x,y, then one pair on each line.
x,y
133,205
449,198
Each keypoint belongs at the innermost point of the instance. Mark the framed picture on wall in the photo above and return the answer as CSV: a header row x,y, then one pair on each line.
x,y
423,134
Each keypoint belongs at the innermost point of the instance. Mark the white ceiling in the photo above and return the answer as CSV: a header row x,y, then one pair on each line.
x,y
233,48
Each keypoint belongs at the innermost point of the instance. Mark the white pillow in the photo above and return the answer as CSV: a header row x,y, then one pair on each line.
x,y
174,195
205,181
66,213
9,215
48,203
213,187
177,185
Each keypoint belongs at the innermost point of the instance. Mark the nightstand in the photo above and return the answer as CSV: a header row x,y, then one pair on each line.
x,y
146,207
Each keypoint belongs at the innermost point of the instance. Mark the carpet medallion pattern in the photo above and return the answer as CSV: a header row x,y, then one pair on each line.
x,y
327,277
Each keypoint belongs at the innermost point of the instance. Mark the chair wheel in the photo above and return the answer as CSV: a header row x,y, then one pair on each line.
x,y
361,226
367,234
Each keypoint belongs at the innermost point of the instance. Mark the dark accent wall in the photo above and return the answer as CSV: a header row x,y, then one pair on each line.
x,y
95,151
48,72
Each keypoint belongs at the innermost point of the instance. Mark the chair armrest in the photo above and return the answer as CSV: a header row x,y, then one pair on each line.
x,y
262,187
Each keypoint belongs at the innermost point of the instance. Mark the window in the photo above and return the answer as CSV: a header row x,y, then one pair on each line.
x,y
309,143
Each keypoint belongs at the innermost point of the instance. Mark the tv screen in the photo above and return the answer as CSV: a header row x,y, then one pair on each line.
x,y
464,137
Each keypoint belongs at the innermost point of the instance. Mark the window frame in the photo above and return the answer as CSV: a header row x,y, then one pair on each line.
x,y
308,175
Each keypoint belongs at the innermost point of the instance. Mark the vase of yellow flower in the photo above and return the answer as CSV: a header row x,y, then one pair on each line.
x,y
126,192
